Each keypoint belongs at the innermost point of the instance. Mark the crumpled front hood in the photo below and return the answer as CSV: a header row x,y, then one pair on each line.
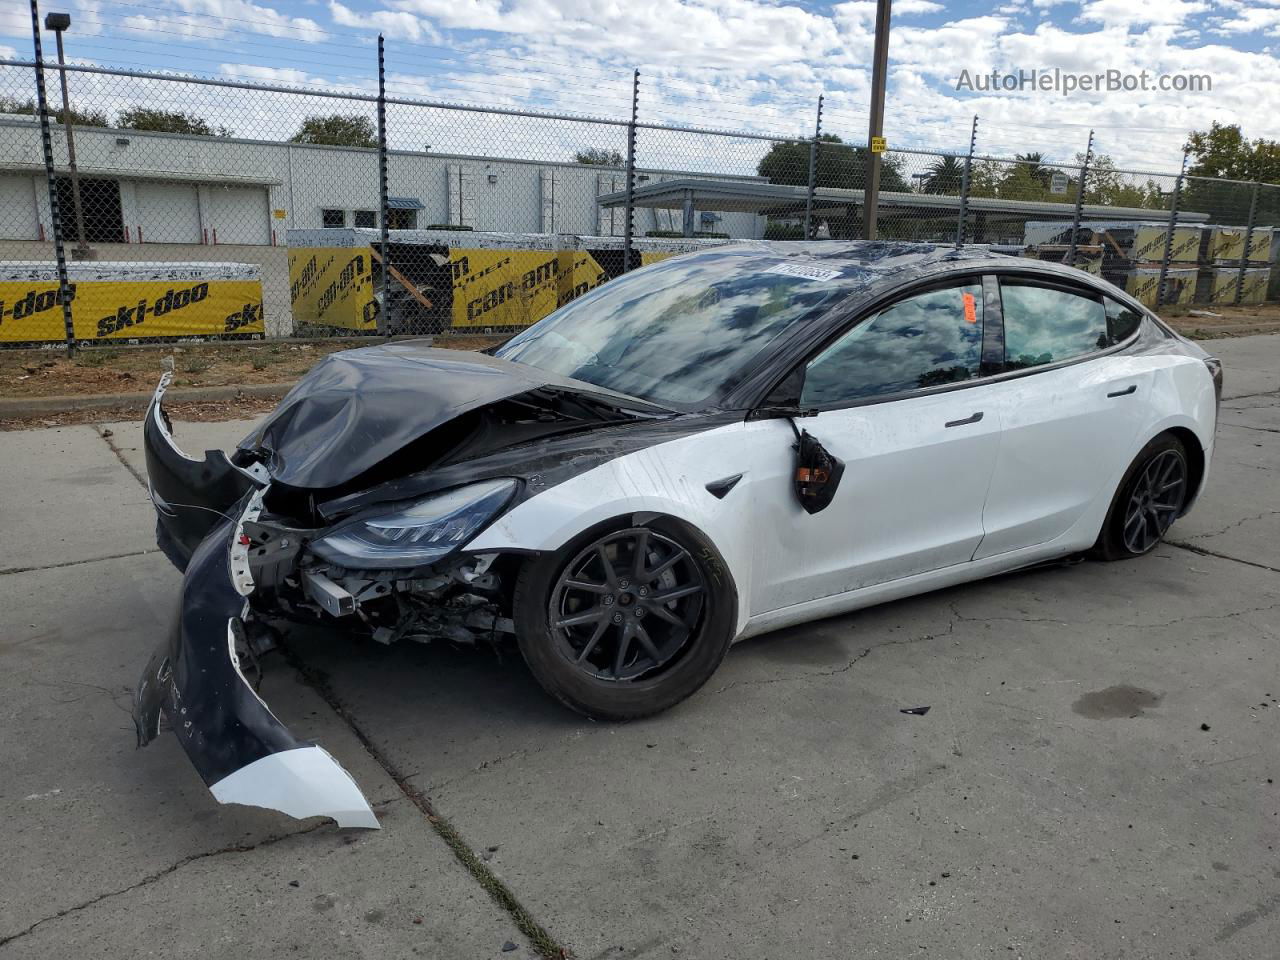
x,y
358,407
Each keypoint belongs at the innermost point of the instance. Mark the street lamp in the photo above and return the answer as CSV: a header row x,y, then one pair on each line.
x,y
58,22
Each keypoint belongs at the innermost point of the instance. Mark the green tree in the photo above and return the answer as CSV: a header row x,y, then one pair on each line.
x,y
1034,162
599,156
168,121
840,165
1223,152
81,118
337,130
945,176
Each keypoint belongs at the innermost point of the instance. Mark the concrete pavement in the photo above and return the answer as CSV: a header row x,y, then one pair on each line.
x,y
1061,797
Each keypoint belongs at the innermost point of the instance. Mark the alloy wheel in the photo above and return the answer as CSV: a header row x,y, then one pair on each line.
x,y
1155,500
627,605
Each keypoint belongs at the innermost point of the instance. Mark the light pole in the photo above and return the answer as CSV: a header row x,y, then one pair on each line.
x,y
58,22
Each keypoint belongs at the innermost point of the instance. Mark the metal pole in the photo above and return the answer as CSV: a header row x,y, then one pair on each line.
x,y
629,210
1079,208
813,173
384,319
1168,238
81,251
879,67
1248,242
42,103
964,182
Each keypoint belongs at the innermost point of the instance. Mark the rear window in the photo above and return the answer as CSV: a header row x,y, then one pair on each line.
x,y
1043,325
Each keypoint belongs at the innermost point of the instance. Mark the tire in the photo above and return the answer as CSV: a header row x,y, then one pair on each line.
x,y
577,662
1132,529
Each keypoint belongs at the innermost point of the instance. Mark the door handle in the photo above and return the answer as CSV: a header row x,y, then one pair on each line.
x,y
960,423
1132,388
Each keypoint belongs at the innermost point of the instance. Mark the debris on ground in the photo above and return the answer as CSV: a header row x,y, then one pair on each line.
x,y
915,711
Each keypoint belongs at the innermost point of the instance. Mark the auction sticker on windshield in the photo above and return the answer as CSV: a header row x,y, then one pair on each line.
x,y
803,272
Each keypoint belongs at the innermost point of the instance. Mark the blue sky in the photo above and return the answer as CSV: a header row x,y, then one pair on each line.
x,y
742,64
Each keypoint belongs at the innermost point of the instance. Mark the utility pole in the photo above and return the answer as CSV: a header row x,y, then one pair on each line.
x,y
879,67
58,22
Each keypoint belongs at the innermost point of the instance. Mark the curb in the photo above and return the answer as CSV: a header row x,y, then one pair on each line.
x,y
14,408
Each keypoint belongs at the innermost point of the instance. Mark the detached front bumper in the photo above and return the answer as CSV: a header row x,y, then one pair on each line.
x,y
241,751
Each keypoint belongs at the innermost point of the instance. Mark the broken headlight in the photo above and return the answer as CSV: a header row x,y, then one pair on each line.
x,y
418,534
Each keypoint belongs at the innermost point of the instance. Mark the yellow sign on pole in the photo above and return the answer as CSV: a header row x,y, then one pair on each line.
x,y
878,145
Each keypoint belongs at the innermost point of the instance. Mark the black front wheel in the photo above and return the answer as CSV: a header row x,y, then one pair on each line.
x,y
626,621
1152,495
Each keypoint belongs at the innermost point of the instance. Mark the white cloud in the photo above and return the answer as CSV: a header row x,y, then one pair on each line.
x,y
200,20
1126,13
395,23
909,7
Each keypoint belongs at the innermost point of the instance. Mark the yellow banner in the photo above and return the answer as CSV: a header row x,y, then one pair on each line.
x,y
333,286
119,310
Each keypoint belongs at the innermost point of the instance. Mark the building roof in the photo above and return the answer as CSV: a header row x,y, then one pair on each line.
x,y
760,197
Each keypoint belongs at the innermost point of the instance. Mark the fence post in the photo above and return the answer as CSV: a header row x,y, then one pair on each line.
x,y
813,173
964,183
1248,242
1079,208
1168,239
46,138
384,318
629,208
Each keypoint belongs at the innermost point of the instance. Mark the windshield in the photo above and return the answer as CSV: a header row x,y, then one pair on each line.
x,y
679,332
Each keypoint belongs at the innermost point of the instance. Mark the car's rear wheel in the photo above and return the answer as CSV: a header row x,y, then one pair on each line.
x,y
1151,496
626,621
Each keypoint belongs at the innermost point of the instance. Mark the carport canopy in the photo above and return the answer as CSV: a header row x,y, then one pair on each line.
x,y
696,193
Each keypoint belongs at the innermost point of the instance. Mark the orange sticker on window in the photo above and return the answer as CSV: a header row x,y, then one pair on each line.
x,y
970,308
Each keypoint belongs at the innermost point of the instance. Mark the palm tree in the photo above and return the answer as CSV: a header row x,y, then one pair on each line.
x,y
1035,168
945,176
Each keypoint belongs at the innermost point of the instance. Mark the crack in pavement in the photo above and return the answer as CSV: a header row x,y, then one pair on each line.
x,y
1192,548
106,436
1233,525
1119,626
160,874
498,891
814,674
75,563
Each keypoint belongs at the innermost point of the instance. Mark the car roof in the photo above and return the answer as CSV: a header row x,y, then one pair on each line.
x,y
884,264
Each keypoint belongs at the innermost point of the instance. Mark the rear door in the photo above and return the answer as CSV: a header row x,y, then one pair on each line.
x,y
919,445
1070,422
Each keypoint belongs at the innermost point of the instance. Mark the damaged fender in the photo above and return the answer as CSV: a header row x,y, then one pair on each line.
x,y
241,751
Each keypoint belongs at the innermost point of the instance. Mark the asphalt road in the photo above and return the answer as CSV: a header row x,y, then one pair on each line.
x,y
1098,775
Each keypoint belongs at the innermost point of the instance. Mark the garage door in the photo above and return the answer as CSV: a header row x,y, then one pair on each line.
x,y
18,209
238,214
168,213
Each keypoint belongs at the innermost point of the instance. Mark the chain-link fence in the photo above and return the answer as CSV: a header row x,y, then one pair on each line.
x,y
193,207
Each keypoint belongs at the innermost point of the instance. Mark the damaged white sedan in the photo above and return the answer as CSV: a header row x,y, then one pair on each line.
x,y
719,445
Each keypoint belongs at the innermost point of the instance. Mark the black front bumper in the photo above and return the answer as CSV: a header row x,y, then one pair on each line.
x,y
241,751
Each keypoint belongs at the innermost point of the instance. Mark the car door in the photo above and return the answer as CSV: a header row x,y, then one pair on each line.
x,y
1070,420
918,442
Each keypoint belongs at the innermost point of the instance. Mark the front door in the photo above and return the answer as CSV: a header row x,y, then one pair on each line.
x,y
919,449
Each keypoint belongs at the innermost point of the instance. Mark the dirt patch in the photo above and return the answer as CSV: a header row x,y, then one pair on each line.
x,y
1210,322
97,370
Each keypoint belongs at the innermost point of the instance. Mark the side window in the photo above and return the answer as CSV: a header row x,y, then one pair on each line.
x,y
922,341
1043,325
1122,322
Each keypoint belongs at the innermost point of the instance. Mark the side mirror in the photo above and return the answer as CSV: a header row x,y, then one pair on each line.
x,y
818,473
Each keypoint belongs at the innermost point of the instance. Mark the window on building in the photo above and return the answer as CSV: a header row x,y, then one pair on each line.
x,y
402,219
99,206
365,218
923,341
1046,325
333,218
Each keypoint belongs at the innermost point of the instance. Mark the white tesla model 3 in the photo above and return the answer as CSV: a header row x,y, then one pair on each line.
x,y
715,446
